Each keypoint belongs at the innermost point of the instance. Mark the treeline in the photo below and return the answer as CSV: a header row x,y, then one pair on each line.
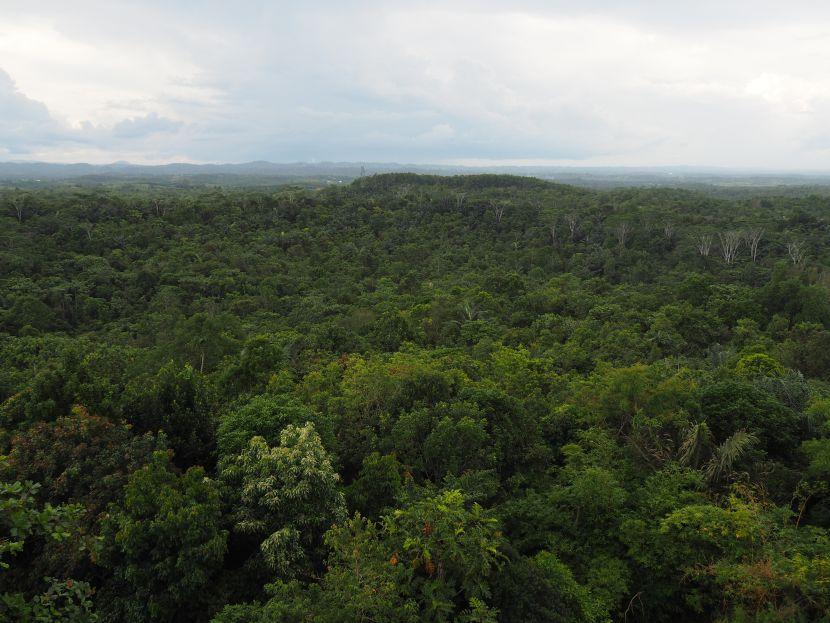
x,y
413,398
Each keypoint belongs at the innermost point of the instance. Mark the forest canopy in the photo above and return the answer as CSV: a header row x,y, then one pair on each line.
x,y
413,398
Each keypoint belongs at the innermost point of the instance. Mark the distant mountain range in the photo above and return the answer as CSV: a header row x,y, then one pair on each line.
x,y
269,173
48,170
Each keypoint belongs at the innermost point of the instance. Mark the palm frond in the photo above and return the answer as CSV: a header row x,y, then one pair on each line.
x,y
696,446
727,455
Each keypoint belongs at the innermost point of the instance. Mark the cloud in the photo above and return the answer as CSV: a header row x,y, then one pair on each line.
x,y
139,127
28,129
733,83
24,123
16,107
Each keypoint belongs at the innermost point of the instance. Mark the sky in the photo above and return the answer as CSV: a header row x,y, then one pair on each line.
x,y
727,83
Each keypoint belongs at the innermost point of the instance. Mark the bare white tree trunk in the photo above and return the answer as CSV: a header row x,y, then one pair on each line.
x,y
730,242
573,225
753,238
499,210
402,191
704,244
18,202
622,232
797,252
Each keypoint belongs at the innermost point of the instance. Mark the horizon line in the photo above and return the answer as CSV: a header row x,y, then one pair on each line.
x,y
479,165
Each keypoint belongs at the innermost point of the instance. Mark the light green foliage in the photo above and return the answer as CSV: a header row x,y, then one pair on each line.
x,y
441,536
263,416
365,580
289,603
758,365
658,565
818,416
818,454
285,496
767,569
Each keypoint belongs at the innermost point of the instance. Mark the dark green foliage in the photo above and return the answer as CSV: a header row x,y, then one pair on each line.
x,y
162,545
538,593
376,486
80,458
21,520
808,349
731,405
174,401
535,402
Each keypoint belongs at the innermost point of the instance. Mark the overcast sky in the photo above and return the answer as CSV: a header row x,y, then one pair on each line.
x,y
593,82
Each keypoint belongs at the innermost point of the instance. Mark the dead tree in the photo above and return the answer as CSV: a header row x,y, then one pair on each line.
x,y
18,203
704,244
668,230
553,239
161,209
402,191
622,232
797,252
573,225
459,200
753,238
730,242
499,210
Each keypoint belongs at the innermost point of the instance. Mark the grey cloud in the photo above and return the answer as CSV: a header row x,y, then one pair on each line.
x,y
16,107
27,127
362,80
24,123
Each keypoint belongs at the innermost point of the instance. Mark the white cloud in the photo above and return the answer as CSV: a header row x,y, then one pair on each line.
x,y
437,134
598,82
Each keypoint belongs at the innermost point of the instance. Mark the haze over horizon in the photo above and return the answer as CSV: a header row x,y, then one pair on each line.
x,y
597,83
